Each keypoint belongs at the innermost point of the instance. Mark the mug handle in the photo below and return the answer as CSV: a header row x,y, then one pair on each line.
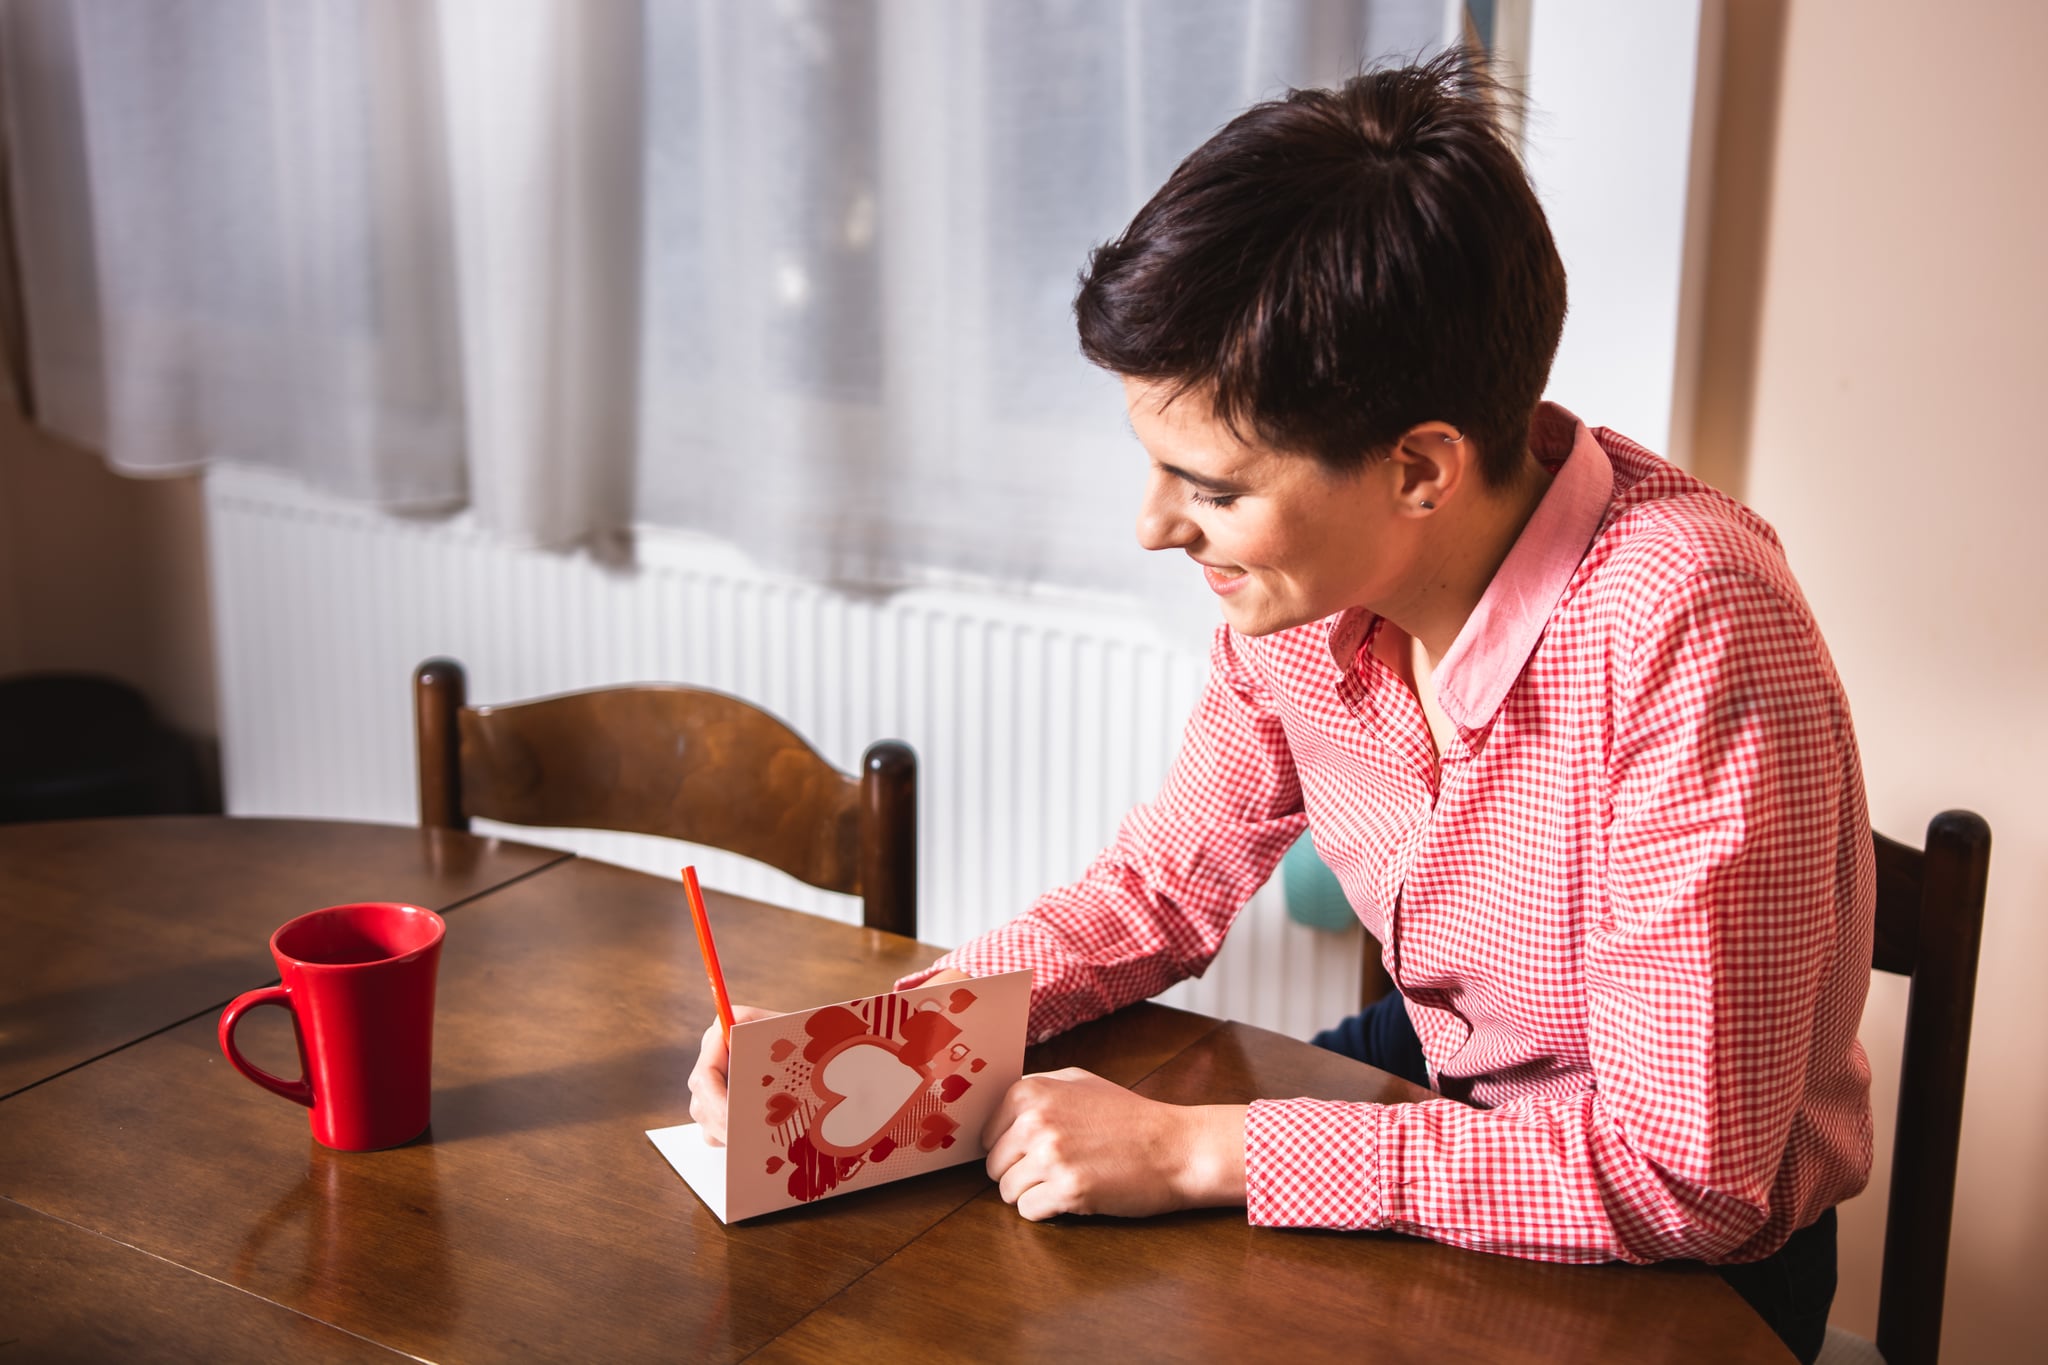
x,y
300,1090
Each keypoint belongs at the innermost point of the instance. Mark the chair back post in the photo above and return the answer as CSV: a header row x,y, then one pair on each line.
x,y
439,692
888,873
1949,925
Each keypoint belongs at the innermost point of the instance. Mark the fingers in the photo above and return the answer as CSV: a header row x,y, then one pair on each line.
x,y
1028,1147
1000,1135
1043,1201
1071,1142
708,1076
1006,1145
1022,1172
1040,1187
707,1085
998,1124
1031,1195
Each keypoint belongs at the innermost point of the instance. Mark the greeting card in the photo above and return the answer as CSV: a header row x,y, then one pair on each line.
x,y
846,1096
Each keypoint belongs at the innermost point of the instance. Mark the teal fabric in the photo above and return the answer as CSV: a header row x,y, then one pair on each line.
x,y
1313,896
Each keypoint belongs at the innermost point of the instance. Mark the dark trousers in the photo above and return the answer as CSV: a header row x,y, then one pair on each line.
x,y
1791,1289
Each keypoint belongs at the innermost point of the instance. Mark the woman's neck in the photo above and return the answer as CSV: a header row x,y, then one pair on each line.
x,y
1472,536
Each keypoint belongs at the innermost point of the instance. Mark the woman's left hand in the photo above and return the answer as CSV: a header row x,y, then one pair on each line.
x,y
1071,1142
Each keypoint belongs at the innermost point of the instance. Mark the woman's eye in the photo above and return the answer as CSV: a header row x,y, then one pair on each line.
x,y
1212,499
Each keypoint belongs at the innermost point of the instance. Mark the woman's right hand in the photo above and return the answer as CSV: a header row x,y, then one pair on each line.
x,y
707,1078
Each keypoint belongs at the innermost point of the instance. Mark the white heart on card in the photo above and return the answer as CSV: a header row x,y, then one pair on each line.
x,y
868,1087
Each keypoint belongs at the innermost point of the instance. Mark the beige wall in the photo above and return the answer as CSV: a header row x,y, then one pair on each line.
x,y
1875,351
104,574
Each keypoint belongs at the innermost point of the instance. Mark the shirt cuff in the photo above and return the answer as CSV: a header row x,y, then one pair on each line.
x,y
1313,1164
1005,949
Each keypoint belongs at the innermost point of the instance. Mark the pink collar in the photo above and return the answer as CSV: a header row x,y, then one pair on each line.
x,y
1489,653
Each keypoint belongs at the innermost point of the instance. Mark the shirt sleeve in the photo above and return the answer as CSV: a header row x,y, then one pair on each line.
x,y
1728,899
1153,907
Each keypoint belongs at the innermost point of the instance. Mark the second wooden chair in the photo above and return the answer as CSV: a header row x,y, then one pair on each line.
x,y
680,762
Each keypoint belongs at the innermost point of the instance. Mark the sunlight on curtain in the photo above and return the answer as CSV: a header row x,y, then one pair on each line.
x,y
864,225
796,273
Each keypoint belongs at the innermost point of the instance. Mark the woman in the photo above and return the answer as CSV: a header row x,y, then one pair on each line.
x,y
1555,713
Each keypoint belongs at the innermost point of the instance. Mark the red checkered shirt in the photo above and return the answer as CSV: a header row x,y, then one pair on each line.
x,y
1630,911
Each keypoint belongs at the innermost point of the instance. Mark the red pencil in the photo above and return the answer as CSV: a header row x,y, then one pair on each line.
x,y
710,951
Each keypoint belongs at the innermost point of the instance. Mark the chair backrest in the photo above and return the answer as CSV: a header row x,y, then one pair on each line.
x,y
681,762
1930,917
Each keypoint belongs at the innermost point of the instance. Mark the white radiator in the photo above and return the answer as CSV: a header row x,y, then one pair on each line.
x,y
1037,719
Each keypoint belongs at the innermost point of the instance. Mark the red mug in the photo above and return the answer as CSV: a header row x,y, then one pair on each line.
x,y
359,981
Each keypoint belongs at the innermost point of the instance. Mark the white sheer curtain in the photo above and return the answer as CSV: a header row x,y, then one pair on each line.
x,y
793,272
864,226
233,226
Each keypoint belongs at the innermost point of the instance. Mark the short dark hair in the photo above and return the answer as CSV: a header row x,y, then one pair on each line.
x,y
1336,266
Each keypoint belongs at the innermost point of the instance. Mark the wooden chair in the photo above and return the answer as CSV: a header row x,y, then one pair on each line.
x,y
681,762
1930,916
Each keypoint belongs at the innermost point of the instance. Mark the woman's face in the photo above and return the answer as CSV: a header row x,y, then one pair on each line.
x,y
1281,540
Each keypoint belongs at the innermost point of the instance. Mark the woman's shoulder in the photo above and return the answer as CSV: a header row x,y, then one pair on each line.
x,y
1664,526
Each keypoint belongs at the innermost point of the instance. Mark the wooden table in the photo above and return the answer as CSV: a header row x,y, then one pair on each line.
x,y
157,1204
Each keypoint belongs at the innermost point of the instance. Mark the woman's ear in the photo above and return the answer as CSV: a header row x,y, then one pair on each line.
x,y
1431,462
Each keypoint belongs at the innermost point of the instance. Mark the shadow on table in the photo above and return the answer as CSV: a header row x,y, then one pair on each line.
x,y
41,1035
648,1086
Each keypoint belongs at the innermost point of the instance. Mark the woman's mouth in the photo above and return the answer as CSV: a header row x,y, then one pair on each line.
x,y
1224,582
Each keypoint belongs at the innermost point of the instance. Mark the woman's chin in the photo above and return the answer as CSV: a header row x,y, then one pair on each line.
x,y
1255,618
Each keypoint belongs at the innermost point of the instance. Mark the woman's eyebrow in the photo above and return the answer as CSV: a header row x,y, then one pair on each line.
x,y
1199,480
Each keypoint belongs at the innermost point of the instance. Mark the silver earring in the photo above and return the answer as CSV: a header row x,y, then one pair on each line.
x,y
1425,504
1454,440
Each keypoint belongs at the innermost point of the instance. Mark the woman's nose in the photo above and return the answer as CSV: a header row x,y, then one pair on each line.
x,y
1162,524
